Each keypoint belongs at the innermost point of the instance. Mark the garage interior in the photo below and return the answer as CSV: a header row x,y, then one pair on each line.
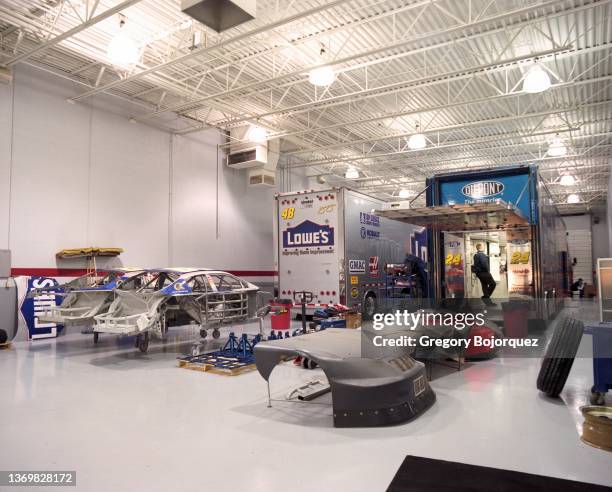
x,y
176,136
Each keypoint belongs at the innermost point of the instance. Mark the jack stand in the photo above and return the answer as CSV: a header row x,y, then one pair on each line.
x,y
303,297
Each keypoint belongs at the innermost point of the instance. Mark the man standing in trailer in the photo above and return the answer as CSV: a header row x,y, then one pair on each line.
x,y
482,270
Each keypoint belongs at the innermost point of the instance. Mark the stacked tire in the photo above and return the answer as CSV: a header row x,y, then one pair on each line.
x,y
559,356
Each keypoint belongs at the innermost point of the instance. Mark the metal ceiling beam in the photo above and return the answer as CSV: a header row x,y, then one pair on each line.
x,y
75,30
399,136
330,101
472,153
429,109
375,51
571,162
207,49
440,169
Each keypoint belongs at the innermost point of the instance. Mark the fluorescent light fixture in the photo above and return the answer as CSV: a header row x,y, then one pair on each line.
x,y
257,134
404,193
536,80
557,148
322,76
567,180
351,173
417,141
122,51
573,198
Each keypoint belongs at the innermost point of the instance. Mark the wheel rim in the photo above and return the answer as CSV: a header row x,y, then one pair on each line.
x,y
370,306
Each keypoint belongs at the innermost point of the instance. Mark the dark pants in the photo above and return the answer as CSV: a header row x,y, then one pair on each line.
x,y
487,283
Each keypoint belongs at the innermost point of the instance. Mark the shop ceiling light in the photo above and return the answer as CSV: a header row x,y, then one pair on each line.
x,y
404,193
122,51
322,76
417,141
536,80
557,148
351,173
567,180
258,135
573,198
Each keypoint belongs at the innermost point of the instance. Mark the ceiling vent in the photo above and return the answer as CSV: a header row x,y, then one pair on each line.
x,y
220,15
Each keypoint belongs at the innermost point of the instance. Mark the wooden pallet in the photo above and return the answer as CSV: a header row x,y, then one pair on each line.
x,y
5,346
223,371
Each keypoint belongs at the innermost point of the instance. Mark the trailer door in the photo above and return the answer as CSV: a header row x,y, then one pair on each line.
x,y
310,242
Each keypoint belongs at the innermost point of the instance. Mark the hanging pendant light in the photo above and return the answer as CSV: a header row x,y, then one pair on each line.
x,y
122,50
417,141
567,180
324,75
404,193
351,173
557,148
573,198
536,80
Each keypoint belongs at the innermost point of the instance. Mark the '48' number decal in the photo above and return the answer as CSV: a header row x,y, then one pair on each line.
x,y
288,213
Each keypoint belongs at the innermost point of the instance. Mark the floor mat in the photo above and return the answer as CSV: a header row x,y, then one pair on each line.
x,y
425,474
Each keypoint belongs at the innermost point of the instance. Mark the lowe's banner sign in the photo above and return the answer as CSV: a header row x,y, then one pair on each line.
x,y
482,190
308,234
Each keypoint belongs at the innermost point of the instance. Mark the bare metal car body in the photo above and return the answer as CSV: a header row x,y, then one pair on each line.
x,y
84,297
153,300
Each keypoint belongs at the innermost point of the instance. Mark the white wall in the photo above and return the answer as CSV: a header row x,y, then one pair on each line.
x,y
83,175
6,108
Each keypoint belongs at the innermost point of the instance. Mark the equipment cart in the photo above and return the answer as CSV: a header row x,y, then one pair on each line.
x,y
602,360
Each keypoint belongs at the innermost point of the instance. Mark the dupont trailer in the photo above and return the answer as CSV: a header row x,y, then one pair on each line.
x,y
511,213
330,243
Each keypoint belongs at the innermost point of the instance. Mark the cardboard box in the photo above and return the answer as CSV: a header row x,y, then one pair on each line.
x,y
353,320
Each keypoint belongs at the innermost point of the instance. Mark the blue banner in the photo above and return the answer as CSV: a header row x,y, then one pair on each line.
x,y
481,190
31,307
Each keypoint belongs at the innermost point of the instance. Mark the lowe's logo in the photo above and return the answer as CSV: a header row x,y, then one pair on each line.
x,y
308,234
482,189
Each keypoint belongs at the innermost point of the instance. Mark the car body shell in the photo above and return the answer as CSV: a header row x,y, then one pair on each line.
x,y
205,296
85,296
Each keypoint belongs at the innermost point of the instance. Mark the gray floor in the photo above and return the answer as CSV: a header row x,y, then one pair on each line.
x,y
128,421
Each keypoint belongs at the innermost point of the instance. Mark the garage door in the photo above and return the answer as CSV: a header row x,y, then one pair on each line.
x,y
580,246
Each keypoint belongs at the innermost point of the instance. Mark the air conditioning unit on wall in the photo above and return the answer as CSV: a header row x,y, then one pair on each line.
x,y
260,159
262,177
255,156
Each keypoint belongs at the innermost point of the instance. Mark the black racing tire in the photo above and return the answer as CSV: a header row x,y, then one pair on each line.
x,y
559,356
96,337
216,333
203,333
3,336
370,306
143,343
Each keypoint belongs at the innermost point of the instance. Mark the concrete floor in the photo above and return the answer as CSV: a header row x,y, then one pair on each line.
x,y
129,421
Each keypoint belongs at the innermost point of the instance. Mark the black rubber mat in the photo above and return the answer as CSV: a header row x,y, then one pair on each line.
x,y
425,474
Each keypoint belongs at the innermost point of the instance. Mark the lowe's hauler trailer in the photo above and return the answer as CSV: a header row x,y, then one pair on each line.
x,y
511,213
330,243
